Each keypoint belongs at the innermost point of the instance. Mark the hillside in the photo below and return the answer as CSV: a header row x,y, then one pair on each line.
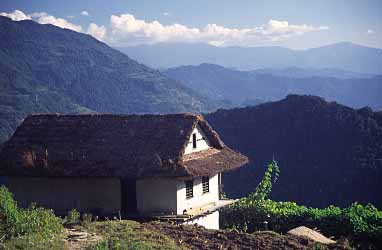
x,y
328,153
345,56
240,87
44,68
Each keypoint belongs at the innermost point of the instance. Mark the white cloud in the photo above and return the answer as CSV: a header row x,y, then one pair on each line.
x,y
127,30
16,15
85,13
96,31
370,32
45,18
70,16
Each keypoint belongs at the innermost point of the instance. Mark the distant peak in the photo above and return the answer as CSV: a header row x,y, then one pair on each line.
x,y
210,65
304,98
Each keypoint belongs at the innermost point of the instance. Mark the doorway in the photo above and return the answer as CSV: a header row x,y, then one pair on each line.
x,y
129,197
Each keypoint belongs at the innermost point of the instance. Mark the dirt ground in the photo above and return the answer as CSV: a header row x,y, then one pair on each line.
x,y
196,237
78,239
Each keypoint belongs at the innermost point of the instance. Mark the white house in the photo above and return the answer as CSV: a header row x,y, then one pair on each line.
x,y
158,166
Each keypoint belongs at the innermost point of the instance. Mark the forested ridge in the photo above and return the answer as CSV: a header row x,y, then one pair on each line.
x,y
329,154
44,68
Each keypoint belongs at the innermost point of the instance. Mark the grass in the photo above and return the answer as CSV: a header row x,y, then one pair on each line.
x,y
129,235
34,242
117,235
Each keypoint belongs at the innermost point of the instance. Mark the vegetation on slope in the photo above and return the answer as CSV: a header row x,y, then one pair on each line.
x,y
362,224
44,68
331,154
31,228
46,232
121,235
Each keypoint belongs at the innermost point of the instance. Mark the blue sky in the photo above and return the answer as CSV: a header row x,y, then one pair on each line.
x,y
290,23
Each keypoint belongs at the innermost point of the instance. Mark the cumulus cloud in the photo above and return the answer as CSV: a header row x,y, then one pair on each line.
x,y
125,30
85,13
96,31
45,18
128,30
370,32
16,15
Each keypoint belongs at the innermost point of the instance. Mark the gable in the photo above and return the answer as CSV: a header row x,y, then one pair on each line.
x,y
202,142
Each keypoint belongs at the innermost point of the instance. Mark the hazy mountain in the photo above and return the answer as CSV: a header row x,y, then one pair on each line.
x,y
295,72
328,153
345,56
44,68
238,87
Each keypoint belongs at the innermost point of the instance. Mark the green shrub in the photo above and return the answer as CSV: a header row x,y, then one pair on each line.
x,y
86,219
17,221
73,217
9,213
362,223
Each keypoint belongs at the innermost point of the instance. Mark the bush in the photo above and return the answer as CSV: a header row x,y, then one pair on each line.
x,y
9,213
362,223
86,219
73,217
17,221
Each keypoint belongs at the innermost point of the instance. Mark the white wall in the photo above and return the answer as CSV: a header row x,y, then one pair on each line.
x,y
157,195
202,142
210,221
199,198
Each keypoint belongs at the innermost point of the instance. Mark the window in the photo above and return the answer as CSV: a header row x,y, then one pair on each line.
x,y
206,184
194,140
189,189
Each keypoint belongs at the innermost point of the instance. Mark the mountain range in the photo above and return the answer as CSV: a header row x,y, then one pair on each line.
x,y
296,72
44,68
328,154
346,56
241,88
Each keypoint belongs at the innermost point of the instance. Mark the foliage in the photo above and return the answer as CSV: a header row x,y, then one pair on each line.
x,y
73,217
362,223
86,219
17,221
9,213
34,241
265,186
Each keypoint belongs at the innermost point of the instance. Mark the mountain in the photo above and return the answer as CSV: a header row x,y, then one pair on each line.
x,y
44,68
237,87
328,153
295,72
344,56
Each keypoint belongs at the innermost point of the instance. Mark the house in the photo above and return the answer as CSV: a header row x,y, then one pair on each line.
x,y
162,166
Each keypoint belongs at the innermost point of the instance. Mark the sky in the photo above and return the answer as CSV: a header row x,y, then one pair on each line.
x,y
297,24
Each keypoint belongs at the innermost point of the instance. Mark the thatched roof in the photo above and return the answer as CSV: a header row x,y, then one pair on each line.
x,y
105,145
